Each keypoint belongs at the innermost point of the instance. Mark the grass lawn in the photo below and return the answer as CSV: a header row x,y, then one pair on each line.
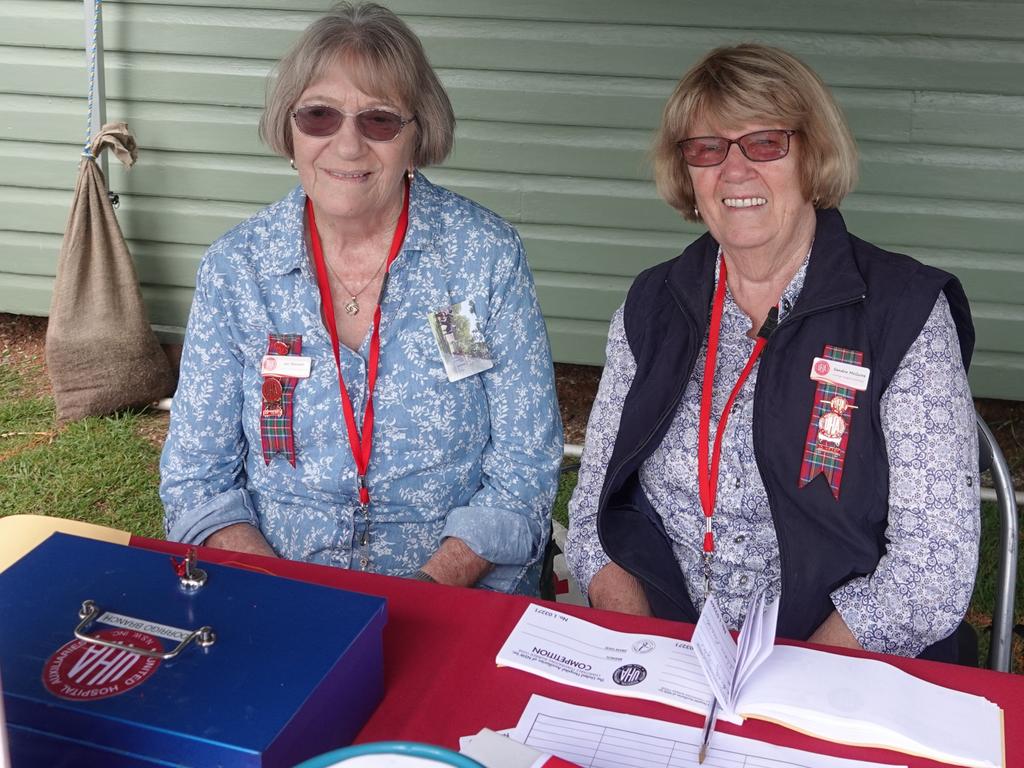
x,y
105,471
100,470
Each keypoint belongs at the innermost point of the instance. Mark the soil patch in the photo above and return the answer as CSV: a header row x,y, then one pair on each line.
x,y
577,387
22,340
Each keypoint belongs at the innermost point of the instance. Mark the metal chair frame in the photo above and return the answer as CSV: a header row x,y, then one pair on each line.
x,y
991,457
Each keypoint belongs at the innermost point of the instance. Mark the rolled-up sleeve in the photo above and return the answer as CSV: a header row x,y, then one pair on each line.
x,y
583,552
922,586
202,473
508,519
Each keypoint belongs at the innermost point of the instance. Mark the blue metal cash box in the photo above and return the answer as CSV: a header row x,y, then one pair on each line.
x,y
268,671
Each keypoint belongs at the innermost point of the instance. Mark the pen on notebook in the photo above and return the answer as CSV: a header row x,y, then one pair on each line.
x,y
709,728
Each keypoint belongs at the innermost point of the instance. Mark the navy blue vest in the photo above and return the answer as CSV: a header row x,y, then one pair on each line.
x,y
854,296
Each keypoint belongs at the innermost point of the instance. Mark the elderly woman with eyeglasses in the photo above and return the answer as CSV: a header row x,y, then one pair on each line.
x,y
366,380
784,407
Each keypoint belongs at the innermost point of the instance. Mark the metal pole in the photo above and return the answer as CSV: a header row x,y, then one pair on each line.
x,y
1003,610
94,58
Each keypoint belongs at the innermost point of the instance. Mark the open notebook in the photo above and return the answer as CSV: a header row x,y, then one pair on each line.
x,y
843,699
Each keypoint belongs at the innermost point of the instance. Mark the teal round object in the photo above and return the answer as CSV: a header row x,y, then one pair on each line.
x,y
440,755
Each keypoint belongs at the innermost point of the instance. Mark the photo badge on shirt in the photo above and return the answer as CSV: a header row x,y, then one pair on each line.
x,y
460,340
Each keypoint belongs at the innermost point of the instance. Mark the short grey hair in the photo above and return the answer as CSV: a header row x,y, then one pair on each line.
x,y
383,57
749,83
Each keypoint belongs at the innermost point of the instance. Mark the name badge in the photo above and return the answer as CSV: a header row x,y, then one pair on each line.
x,y
841,374
290,366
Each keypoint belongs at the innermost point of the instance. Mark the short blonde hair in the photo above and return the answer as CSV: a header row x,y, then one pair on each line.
x,y
385,59
735,85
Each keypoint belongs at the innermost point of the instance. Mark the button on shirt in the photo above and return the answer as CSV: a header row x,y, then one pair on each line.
x,y
476,459
921,586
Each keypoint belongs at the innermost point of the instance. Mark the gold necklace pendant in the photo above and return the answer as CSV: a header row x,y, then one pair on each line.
x,y
352,305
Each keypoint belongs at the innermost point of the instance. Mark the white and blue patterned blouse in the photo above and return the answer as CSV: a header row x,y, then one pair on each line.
x,y
476,459
920,588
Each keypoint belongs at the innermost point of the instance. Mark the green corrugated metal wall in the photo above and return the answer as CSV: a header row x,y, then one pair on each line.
x,y
556,102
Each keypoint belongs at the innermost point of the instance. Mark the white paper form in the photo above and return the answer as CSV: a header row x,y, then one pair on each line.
x,y
594,738
728,664
716,652
572,651
849,700
870,703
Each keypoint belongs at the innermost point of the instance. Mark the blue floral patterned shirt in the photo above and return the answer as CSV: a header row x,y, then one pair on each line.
x,y
920,588
476,459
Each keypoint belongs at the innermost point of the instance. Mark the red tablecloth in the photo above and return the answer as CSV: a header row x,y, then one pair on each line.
x,y
441,681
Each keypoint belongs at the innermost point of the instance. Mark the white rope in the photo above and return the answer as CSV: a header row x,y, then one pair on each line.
x,y
93,57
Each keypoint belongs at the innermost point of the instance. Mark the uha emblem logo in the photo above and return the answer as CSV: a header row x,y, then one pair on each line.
x,y
832,424
83,671
629,674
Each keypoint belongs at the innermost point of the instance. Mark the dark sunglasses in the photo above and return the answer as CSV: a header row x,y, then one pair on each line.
x,y
759,146
373,124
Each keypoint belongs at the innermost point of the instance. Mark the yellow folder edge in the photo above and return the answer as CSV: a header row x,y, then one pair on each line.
x,y
20,534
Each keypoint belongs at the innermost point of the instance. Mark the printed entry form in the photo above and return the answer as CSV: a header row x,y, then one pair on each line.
x,y
593,738
572,651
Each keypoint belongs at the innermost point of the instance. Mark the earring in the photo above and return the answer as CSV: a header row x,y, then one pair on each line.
x,y
291,162
696,212
410,175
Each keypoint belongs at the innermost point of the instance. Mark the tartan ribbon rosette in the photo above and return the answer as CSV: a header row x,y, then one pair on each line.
x,y
829,430
276,433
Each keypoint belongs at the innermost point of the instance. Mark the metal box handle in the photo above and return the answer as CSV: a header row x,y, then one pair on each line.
x,y
204,636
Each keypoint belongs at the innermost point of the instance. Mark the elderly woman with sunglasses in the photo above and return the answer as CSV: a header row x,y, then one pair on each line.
x,y
784,406
366,380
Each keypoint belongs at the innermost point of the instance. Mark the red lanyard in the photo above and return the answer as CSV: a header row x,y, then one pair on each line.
x,y
707,477
360,441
